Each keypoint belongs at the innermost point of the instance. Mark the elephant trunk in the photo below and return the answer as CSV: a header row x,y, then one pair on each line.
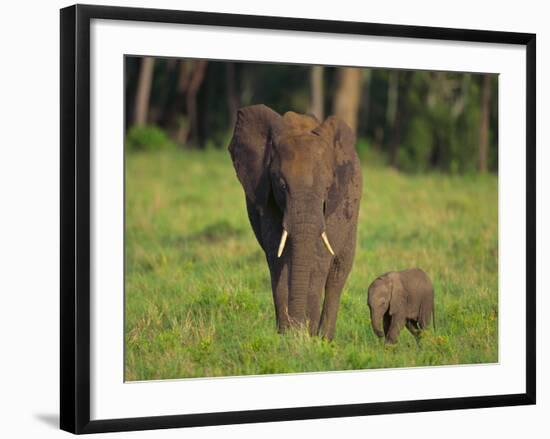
x,y
303,242
376,320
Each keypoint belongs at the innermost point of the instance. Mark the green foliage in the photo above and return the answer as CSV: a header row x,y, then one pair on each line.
x,y
464,134
198,298
443,130
147,138
279,86
420,120
363,147
415,153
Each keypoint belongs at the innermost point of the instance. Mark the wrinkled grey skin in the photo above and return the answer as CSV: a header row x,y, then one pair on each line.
x,y
401,298
304,177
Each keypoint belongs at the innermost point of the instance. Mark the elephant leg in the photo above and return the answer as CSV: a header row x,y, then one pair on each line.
x,y
268,230
327,325
279,287
412,326
313,311
337,275
333,290
397,323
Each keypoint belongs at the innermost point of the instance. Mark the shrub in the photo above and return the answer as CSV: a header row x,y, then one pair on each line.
x,y
147,138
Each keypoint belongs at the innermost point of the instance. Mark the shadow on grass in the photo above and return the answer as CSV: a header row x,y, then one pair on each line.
x,y
213,233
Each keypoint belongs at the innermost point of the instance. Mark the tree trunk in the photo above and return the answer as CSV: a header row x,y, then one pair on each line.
x,y
346,98
460,103
167,95
185,133
144,90
367,76
176,110
393,118
484,125
403,83
396,139
393,96
316,106
247,84
233,101
378,138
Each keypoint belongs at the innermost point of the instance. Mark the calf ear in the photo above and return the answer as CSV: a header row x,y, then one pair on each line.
x,y
346,167
398,299
250,150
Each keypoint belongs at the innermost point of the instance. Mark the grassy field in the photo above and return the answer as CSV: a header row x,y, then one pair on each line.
x,y
198,297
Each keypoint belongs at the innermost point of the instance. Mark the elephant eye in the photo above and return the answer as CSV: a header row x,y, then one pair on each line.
x,y
283,184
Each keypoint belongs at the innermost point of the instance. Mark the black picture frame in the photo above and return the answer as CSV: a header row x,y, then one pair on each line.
x,y
75,217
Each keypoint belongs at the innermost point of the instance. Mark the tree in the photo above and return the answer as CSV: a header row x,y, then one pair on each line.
x,y
175,113
365,104
484,124
418,120
143,92
462,99
399,93
233,101
347,95
190,130
316,106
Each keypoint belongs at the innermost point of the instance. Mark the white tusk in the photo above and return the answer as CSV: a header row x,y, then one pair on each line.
x,y
282,244
327,244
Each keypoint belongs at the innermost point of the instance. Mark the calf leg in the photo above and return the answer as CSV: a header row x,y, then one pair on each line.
x,y
415,329
397,323
386,321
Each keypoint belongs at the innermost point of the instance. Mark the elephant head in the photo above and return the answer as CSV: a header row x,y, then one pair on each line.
x,y
295,165
385,295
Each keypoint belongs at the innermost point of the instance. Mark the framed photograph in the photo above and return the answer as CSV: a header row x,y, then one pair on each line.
x,y
275,218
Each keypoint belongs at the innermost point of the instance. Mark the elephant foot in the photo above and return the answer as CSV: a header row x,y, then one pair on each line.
x,y
390,341
283,326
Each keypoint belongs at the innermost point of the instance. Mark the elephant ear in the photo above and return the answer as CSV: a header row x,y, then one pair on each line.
x,y
347,172
398,297
250,150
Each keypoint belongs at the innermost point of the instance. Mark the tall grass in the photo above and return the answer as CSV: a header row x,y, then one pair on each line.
x,y
197,292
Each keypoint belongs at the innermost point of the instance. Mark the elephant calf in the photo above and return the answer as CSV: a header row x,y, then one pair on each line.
x,y
401,298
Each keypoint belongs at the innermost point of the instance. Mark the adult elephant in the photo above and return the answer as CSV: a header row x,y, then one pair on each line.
x,y
302,181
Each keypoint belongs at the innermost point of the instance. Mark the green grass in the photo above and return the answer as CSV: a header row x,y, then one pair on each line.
x,y
198,297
